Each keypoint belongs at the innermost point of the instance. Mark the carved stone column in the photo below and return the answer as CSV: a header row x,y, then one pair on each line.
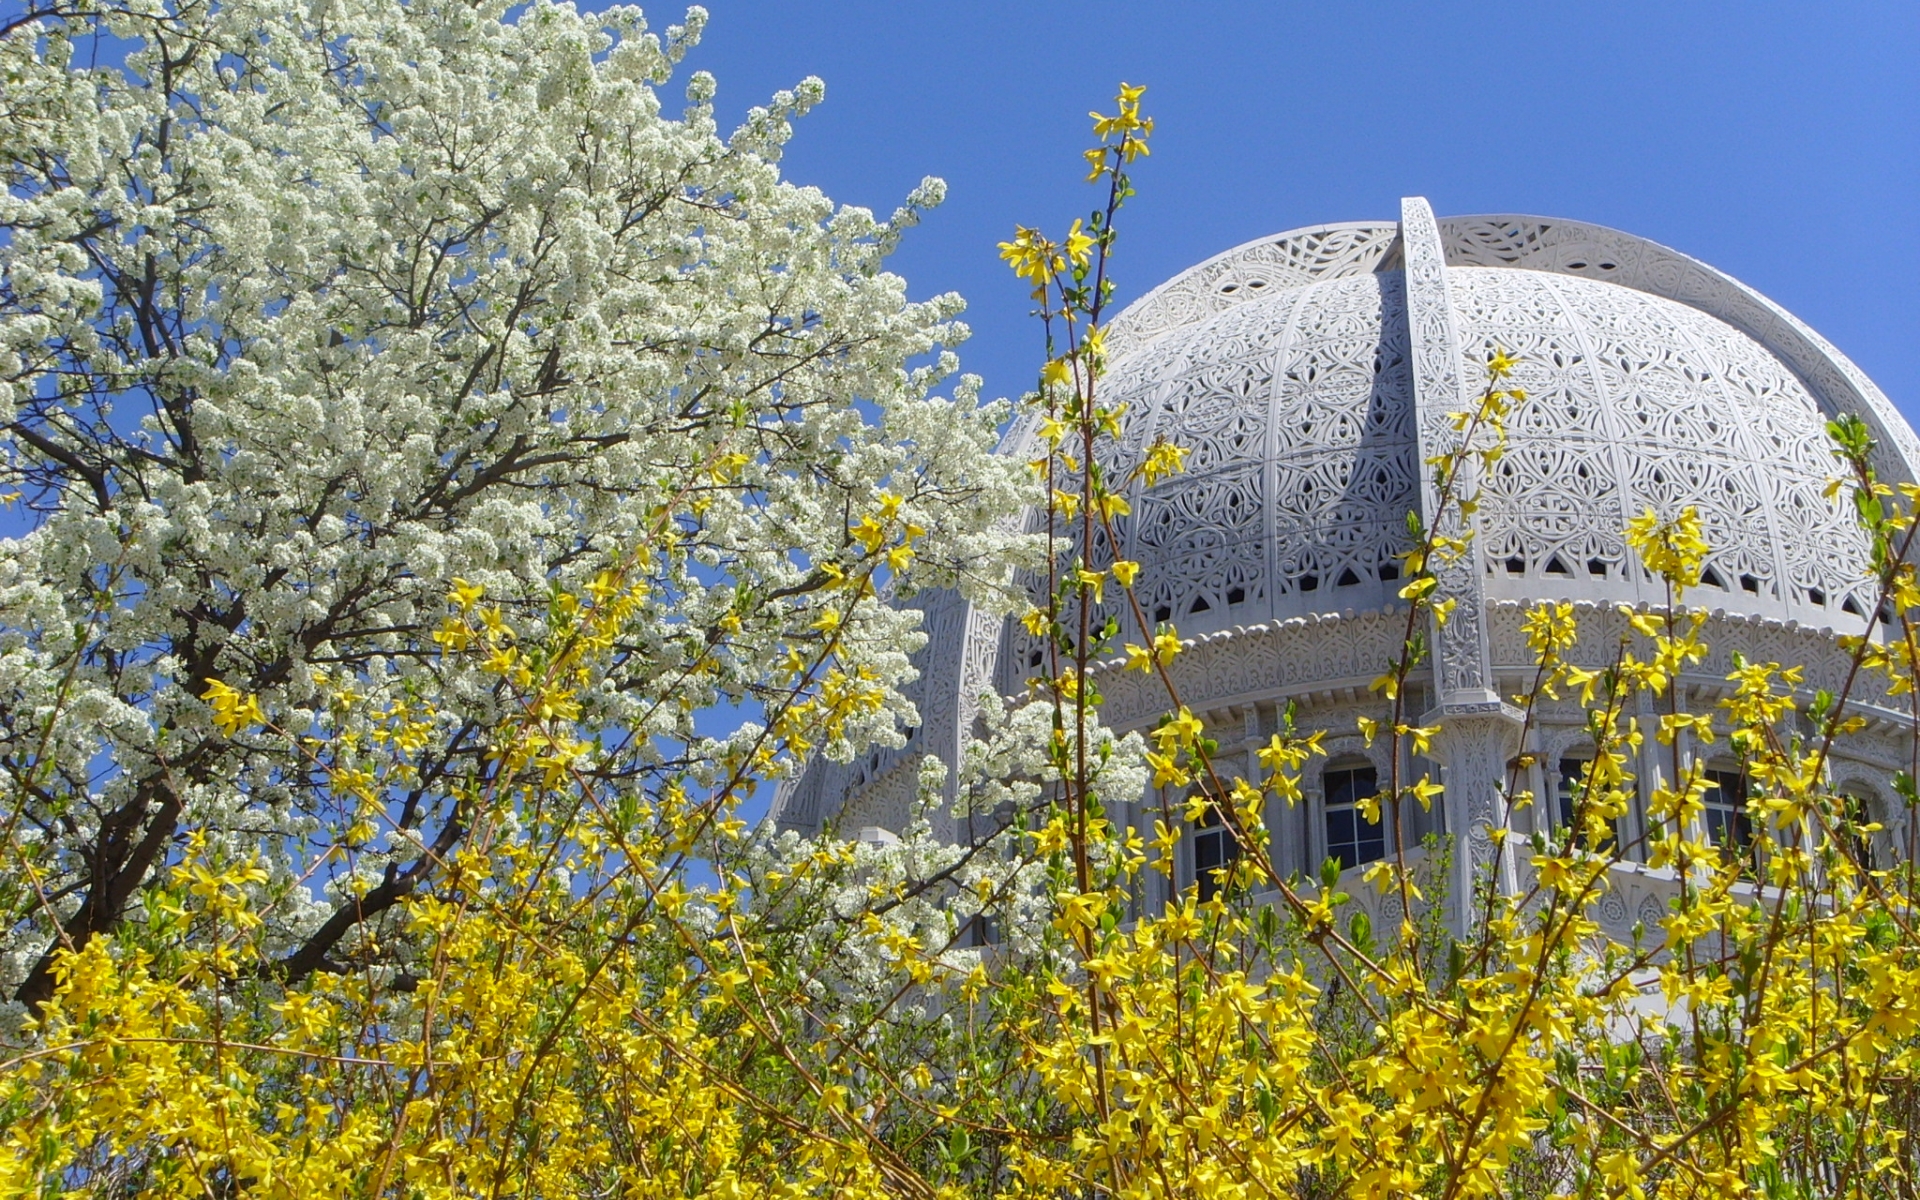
x,y
1479,732
1474,749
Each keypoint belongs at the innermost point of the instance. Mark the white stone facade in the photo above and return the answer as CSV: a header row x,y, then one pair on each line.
x,y
1310,375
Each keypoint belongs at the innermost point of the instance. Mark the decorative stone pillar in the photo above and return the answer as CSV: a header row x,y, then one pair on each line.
x,y
1474,750
1310,826
1479,732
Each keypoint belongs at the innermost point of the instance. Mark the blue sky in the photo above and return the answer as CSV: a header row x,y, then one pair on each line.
x,y
1780,143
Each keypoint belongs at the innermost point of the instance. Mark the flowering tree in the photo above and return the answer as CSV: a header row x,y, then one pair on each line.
x,y
314,314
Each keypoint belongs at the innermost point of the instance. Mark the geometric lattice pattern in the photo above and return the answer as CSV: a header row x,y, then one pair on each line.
x,y
1286,368
1253,271
1295,399
1297,413
1634,401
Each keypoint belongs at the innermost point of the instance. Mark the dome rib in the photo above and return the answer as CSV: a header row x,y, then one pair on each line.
x,y
1276,399
1464,674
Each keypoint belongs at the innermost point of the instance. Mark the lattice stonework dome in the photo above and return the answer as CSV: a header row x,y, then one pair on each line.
x,y
1310,375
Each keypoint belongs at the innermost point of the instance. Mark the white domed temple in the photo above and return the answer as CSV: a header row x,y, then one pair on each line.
x,y
1310,374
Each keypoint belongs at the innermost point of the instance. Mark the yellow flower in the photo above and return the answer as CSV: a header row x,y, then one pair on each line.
x,y
1079,245
1425,790
1163,459
869,534
1128,124
1166,772
1675,550
1094,580
465,594
1032,256
233,710
1166,644
1180,730
453,635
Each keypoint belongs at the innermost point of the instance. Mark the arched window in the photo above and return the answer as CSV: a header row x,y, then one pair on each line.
x,y
1569,793
1728,825
1351,838
1215,851
1855,839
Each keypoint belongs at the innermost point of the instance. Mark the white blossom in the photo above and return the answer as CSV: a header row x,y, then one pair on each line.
x,y
311,309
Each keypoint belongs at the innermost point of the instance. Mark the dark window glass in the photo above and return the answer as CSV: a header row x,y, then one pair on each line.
x,y
1728,824
1858,841
1568,792
1215,850
1351,838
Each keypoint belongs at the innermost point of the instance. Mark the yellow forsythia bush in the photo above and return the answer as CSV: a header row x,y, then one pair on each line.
x,y
420,884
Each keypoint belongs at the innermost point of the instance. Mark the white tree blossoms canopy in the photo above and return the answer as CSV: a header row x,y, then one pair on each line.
x,y
316,314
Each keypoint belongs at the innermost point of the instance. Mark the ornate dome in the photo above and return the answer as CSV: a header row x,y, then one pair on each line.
x,y
1311,374
1286,367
